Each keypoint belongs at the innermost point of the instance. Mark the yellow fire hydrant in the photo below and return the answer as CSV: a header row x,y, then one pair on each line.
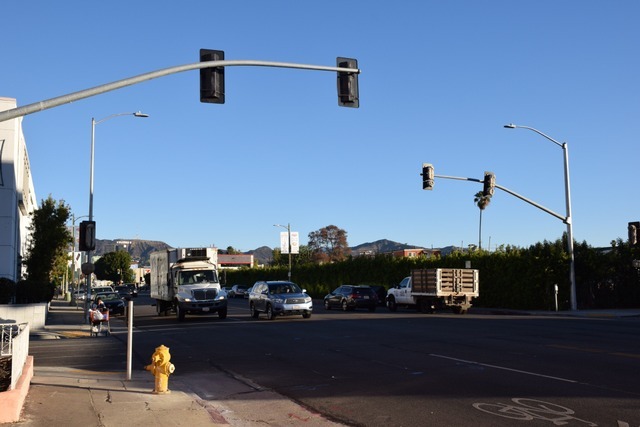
x,y
161,368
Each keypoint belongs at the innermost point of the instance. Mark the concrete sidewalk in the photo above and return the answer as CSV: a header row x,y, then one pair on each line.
x,y
86,398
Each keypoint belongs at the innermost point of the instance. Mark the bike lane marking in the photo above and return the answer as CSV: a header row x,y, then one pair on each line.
x,y
504,368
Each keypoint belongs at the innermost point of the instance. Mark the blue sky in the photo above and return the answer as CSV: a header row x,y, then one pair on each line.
x,y
439,80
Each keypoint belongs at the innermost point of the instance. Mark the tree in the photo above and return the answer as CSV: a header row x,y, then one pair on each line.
x,y
50,240
329,244
482,201
114,266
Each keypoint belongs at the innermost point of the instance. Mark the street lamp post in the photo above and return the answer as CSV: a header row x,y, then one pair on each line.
x,y
568,219
288,228
94,122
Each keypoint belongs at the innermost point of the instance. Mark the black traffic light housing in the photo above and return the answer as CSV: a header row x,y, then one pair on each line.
x,y
634,233
87,240
212,79
428,175
348,95
489,184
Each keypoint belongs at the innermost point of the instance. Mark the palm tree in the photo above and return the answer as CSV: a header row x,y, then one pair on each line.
x,y
482,201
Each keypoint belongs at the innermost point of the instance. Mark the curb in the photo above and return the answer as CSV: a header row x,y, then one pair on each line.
x,y
12,401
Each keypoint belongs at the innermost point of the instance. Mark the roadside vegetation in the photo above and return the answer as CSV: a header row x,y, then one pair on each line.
x,y
510,277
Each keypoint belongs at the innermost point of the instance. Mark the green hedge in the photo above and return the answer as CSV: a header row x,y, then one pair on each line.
x,y
509,278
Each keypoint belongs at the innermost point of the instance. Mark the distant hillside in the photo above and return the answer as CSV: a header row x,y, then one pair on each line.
x,y
141,249
380,247
263,255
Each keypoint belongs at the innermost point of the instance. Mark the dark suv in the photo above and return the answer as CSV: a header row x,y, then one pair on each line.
x,y
350,297
279,298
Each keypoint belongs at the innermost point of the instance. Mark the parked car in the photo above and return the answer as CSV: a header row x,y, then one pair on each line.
x,y
100,289
112,301
238,291
381,291
79,295
126,291
279,298
350,297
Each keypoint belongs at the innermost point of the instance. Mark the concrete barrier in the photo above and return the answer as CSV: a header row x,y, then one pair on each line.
x,y
34,314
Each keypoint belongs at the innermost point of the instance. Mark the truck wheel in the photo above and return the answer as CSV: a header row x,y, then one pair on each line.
x,y
254,312
159,308
391,304
222,313
426,306
458,309
270,314
179,313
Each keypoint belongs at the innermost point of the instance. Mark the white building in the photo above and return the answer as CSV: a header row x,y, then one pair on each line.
x,y
17,195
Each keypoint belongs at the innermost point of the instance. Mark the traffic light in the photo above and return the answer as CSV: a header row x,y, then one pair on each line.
x,y
428,175
489,184
348,83
212,79
87,236
634,233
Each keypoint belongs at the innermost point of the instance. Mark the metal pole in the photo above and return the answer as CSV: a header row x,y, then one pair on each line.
x,y
97,90
129,338
289,237
568,219
93,134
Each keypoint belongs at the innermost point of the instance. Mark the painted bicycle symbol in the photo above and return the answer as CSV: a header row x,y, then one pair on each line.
x,y
529,409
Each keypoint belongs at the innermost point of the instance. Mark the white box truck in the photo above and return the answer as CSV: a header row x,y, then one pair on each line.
x,y
185,280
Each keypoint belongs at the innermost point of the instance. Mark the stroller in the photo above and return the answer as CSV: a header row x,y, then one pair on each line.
x,y
99,322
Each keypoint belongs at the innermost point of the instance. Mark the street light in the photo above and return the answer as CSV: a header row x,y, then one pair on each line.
x,y
94,122
568,219
288,228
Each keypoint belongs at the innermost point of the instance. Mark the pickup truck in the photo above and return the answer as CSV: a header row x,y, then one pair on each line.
x,y
428,289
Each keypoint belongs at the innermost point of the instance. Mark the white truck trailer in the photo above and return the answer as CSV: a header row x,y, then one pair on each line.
x,y
185,280
428,289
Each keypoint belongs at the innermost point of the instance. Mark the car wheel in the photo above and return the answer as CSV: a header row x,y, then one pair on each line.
x,y
270,314
306,315
179,313
344,305
327,306
391,304
254,312
222,314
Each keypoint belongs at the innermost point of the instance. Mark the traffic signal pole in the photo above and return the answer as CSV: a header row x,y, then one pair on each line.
x,y
513,193
97,90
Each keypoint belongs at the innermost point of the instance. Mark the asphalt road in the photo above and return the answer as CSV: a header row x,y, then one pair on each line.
x,y
412,369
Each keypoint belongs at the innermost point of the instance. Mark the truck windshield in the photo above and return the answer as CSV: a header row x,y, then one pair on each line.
x,y
197,276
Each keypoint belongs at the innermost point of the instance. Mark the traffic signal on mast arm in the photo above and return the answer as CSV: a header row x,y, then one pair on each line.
x,y
348,83
489,184
428,175
212,78
87,241
634,233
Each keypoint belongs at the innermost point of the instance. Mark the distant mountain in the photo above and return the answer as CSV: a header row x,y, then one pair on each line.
x,y
263,255
141,249
380,247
